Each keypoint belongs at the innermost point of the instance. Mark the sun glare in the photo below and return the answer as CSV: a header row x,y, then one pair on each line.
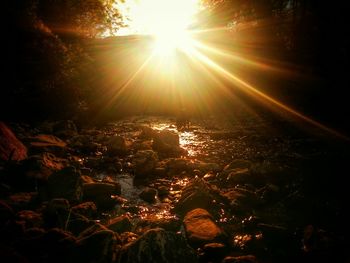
x,y
166,20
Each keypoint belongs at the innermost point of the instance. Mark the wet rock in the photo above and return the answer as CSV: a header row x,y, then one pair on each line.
x,y
87,179
200,228
87,209
94,228
149,195
120,224
198,194
9,255
101,194
147,132
158,246
163,191
65,183
117,145
144,163
167,143
65,129
240,259
98,247
127,237
117,186
242,200
214,252
30,218
176,166
10,147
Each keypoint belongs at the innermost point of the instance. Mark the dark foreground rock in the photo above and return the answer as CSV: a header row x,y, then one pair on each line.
x,y
158,246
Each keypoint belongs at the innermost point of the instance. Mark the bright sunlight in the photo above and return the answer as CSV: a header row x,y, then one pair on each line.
x,y
167,20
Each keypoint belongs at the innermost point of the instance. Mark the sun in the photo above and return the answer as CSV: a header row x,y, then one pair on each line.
x,y
167,20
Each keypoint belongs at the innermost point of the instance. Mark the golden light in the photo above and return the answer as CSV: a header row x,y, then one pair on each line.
x,y
166,20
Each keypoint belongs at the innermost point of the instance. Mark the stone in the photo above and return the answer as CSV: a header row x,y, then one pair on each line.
x,y
87,209
120,224
56,213
98,247
30,218
128,237
167,143
238,163
147,132
42,166
66,183
200,228
144,163
157,246
117,145
6,213
101,194
10,147
214,252
240,259
65,129
45,142
149,195
198,194
163,191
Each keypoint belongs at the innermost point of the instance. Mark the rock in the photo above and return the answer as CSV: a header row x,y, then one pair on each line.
x,y
9,255
44,142
214,252
242,200
22,201
200,228
238,163
76,223
101,194
144,163
10,147
66,183
87,209
42,166
149,195
147,132
117,145
128,237
158,246
167,143
240,259
56,213
163,191
65,129
120,224
98,247
30,218
238,176
6,213
198,194
176,166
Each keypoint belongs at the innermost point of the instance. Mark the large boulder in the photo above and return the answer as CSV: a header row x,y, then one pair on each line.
x,y
201,229
158,246
10,147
